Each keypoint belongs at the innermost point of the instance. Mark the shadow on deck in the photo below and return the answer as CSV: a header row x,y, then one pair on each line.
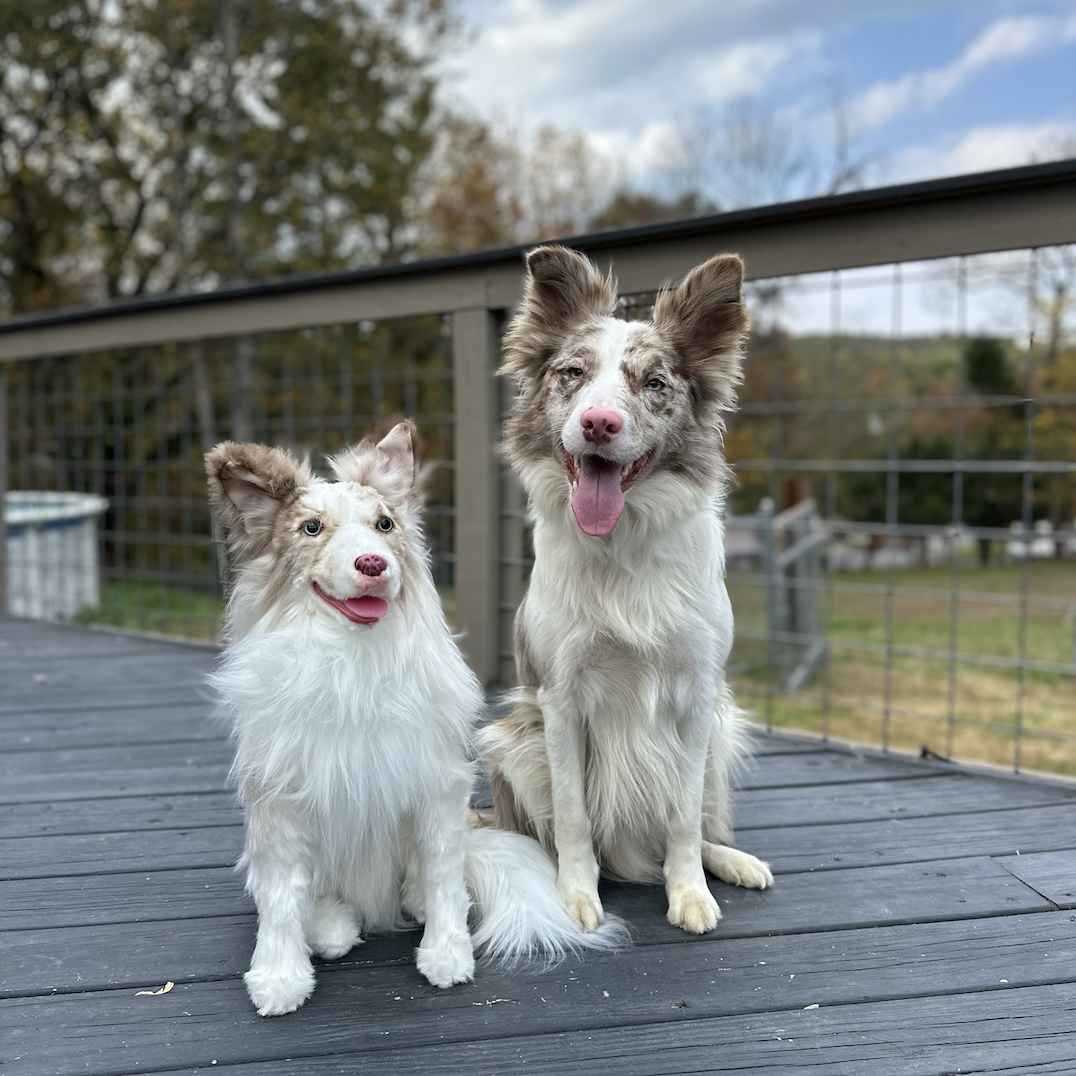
x,y
921,921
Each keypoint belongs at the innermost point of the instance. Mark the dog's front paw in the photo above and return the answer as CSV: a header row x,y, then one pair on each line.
x,y
446,963
333,929
693,910
276,992
736,867
584,907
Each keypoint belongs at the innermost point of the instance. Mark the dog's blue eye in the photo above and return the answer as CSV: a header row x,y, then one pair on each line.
x,y
575,372
312,527
656,384
384,524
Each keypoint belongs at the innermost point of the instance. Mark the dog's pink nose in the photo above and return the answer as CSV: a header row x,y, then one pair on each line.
x,y
371,564
600,427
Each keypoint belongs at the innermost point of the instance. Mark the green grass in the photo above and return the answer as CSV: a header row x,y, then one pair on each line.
x,y
153,607
986,702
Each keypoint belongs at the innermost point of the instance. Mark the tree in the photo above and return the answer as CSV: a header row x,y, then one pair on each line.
x,y
485,187
750,155
147,146
630,209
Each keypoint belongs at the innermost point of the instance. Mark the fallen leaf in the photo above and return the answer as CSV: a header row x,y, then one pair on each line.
x,y
153,993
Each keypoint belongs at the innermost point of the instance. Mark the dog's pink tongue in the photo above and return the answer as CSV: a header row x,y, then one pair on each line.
x,y
598,501
367,606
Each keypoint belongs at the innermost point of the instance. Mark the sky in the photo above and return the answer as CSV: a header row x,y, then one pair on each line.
x,y
929,88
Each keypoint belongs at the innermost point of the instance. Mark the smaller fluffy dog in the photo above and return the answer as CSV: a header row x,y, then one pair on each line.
x,y
353,716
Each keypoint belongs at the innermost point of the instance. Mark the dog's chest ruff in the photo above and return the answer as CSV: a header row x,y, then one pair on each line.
x,y
349,728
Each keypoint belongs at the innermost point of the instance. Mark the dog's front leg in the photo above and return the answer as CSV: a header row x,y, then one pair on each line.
x,y
277,855
445,955
691,904
577,866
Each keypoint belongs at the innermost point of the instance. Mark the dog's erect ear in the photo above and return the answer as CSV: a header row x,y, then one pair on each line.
x,y
562,291
705,319
388,465
248,486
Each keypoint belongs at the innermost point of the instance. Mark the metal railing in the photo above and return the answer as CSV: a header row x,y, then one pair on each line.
x,y
871,615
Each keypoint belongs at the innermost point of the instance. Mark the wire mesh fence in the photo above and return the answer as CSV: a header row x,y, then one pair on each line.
x,y
116,439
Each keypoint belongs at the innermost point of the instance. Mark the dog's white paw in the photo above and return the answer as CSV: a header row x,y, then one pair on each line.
x,y
736,867
584,907
277,991
446,963
693,910
333,929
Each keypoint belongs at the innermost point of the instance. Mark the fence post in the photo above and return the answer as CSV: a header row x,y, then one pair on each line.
x,y
3,486
475,350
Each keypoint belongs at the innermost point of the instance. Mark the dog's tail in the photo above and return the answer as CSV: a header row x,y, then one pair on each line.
x,y
520,915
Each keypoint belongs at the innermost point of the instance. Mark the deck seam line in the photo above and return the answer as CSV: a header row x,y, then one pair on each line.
x,y
777,873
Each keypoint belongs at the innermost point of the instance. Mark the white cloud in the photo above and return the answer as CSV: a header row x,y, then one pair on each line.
x,y
983,149
748,67
1004,39
595,65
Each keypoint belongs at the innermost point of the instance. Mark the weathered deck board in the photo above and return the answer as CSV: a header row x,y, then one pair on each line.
x,y
901,909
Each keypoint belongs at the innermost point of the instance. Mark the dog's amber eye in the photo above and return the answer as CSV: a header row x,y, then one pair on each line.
x,y
312,527
575,372
656,384
384,524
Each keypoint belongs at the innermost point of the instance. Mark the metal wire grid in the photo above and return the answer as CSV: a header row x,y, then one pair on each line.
x,y
1012,589
132,426
822,395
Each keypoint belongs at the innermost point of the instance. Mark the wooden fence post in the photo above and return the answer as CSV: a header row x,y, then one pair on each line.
x,y
3,485
476,351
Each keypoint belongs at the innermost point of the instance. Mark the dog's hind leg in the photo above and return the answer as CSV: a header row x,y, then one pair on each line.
x,y
736,867
514,752
332,929
728,749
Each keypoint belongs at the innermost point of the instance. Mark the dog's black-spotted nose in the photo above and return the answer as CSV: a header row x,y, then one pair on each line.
x,y
371,564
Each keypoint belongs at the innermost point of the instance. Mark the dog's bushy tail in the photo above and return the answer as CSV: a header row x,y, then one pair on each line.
x,y
519,913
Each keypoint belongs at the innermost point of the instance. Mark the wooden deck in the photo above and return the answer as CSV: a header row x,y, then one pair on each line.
x,y
922,922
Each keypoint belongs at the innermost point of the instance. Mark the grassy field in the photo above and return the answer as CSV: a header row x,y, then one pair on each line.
x,y
152,607
969,709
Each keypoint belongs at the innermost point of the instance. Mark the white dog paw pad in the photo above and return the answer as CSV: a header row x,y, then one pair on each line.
x,y
447,964
277,993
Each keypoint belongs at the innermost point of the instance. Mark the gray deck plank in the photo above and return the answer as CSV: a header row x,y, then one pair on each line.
x,y
934,794
119,814
789,849
116,725
1053,874
79,773
907,840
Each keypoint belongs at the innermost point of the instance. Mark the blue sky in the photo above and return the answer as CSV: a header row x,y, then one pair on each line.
x,y
931,88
